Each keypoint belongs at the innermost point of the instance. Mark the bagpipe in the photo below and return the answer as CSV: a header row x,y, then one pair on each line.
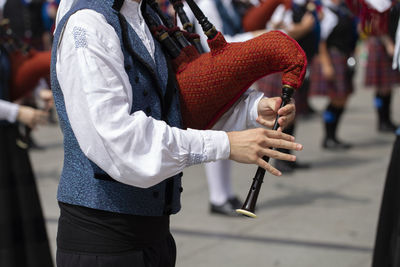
x,y
28,65
210,83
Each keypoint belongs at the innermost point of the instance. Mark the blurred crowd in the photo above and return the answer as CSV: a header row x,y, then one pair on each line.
x,y
329,31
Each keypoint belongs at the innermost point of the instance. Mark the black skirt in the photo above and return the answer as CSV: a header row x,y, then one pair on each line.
x,y
23,237
387,242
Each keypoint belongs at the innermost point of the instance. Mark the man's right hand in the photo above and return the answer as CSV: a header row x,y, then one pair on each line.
x,y
250,146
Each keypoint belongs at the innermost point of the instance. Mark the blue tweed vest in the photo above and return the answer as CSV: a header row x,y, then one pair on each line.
x,y
79,183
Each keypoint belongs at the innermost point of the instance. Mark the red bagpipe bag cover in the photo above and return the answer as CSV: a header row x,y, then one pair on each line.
x,y
211,83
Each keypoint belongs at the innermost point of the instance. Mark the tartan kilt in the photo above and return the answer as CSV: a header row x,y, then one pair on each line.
x,y
341,86
379,72
271,85
23,237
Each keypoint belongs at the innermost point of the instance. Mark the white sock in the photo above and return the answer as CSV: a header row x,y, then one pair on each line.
x,y
219,181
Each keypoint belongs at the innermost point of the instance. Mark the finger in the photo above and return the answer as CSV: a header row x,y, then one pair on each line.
x,y
278,103
279,143
287,109
264,122
268,167
282,120
278,155
279,135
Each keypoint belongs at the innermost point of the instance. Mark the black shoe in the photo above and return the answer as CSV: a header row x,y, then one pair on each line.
x,y
225,209
387,126
235,202
334,144
290,166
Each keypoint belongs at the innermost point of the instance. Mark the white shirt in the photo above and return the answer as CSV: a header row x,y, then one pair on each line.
x,y
132,148
8,111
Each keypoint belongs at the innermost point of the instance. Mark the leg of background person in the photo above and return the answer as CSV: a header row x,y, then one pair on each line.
x,y
331,117
382,104
222,198
287,166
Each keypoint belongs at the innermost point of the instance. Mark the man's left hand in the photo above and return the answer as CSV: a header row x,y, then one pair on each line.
x,y
268,108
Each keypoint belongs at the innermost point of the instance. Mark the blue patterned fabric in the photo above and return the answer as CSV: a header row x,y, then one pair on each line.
x,y
78,184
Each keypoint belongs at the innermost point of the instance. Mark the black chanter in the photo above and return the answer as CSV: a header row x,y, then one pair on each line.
x,y
249,205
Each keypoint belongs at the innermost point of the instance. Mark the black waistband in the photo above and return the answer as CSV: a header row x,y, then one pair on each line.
x,y
88,230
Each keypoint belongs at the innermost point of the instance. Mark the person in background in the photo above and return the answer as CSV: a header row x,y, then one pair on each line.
x,y
23,237
331,74
379,73
387,240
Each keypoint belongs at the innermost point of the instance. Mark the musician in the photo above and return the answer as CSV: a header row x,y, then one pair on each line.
x,y
23,235
124,146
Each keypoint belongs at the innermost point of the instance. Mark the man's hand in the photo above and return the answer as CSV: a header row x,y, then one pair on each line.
x,y
31,117
268,108
250,146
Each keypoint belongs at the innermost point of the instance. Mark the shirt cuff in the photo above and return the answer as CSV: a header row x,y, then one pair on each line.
x,y
212,146
13,112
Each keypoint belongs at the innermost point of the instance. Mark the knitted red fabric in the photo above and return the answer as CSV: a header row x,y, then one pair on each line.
x,y
213,82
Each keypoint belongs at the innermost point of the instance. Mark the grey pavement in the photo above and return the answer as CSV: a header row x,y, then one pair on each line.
x,y
324,216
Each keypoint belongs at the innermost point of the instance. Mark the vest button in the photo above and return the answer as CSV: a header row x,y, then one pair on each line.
x,y
148,110
128,67
181,189
155,194
136,79
145,93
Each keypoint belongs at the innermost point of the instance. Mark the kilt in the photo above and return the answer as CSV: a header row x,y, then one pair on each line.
x,y
271,85
379,72
341,86
23,237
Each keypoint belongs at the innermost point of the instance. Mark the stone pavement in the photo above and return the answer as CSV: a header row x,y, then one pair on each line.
x,y
325,216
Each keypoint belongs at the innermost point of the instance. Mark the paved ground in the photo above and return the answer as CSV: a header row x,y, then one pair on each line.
x,y
325,216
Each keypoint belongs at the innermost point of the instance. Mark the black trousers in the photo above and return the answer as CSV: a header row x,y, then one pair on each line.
x,y
160,254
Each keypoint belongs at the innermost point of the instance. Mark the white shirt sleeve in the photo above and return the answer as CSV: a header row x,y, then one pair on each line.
x,y
243,114
8,111
132,148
